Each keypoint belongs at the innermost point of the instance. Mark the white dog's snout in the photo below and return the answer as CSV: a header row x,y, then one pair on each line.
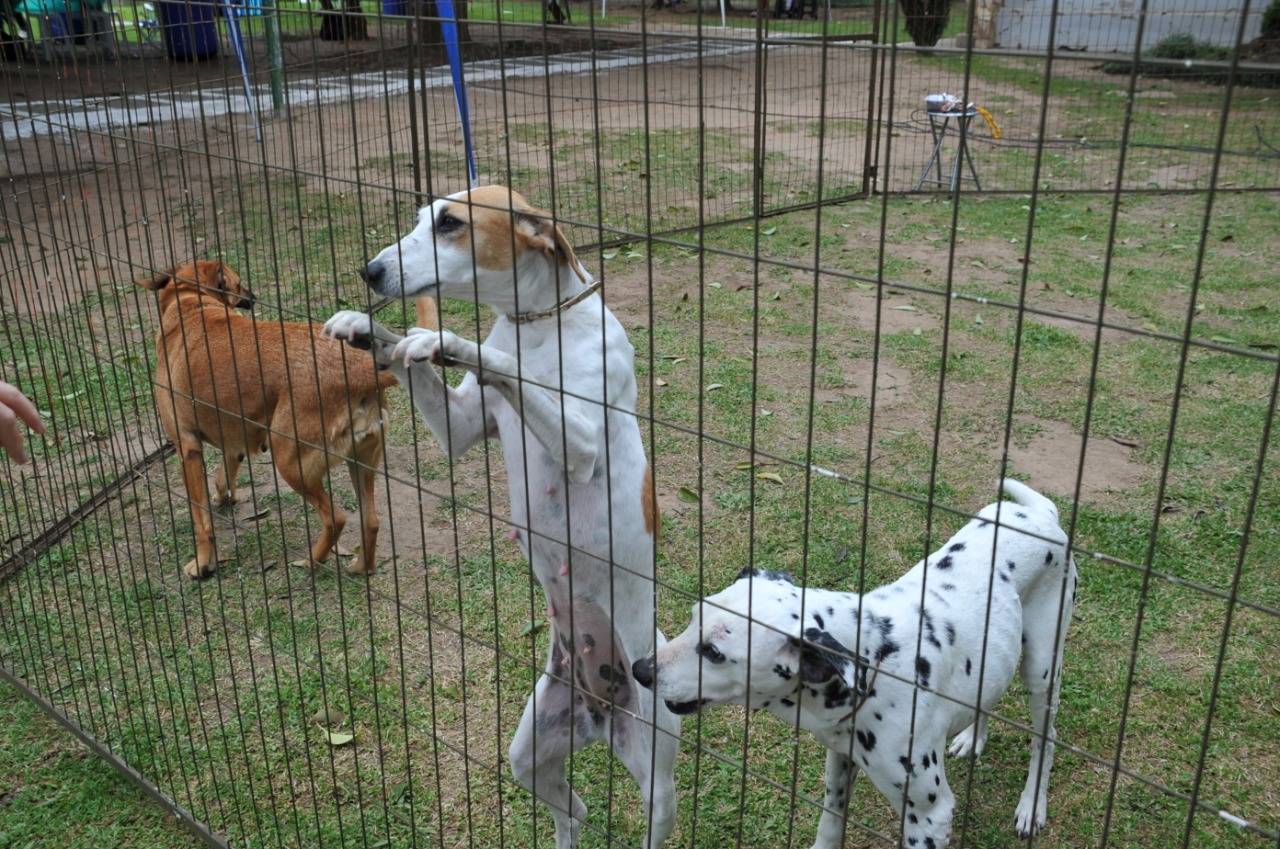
x,y
376,277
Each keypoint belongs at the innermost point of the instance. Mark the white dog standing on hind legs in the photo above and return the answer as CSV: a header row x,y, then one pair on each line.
x,y
555,383
942,639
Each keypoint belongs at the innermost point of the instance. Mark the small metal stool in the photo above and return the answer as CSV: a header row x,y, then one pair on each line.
x,y
938,123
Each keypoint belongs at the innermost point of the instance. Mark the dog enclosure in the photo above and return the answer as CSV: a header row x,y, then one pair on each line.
x,y
836,364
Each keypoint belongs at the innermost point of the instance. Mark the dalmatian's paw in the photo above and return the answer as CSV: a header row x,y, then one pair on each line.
x,y
1032,813
970,741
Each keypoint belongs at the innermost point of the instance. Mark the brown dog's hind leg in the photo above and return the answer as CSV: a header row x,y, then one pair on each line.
x,y
191,457
305,470
224,479
368,458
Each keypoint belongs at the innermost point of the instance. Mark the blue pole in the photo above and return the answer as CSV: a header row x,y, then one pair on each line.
x,y
233,29
449,26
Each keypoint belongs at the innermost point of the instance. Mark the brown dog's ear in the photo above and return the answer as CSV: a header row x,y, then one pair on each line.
x,y
550,239
220,276
158,280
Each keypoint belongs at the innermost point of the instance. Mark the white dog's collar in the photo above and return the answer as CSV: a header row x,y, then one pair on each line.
x,y
526,317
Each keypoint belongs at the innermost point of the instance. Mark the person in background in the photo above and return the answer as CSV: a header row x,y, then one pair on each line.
x,y
14,406
13,28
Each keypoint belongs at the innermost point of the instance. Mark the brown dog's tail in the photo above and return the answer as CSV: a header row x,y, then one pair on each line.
x,y
368,418
428,313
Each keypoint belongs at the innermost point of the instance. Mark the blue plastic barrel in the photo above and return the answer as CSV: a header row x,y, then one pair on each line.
x,y
68,25
189,29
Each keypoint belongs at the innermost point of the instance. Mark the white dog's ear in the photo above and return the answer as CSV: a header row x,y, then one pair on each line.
x,y
546,236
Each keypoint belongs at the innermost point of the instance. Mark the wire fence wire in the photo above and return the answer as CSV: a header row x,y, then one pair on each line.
x,y
835,364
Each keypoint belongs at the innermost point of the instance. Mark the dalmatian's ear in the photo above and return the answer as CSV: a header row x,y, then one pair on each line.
x,y
765,574
823,658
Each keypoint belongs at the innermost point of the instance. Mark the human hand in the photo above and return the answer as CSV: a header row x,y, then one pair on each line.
x,y
14,406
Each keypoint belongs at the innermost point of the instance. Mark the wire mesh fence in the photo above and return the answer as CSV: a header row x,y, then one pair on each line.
x,y
851,314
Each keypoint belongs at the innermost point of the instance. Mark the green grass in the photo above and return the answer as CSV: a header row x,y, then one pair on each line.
x,y
215,687
775,27
1090,114
735,364
1223,411
54,785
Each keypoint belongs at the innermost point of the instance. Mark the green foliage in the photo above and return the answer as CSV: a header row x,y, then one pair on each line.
x,y
1181,55
1184,46
1271,21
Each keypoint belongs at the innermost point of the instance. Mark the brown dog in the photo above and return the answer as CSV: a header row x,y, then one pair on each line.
x,y
246,386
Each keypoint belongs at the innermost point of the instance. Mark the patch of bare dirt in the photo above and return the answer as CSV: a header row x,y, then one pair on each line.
x,y
1052,460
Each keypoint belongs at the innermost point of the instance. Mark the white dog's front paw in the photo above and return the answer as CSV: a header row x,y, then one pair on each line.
x,y
1032,814
360,331
969,741
420,345
455,351
441,348
350,326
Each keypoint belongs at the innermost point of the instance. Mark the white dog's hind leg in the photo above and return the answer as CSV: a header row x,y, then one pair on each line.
x,y
1042,673
649,754
550,730
970,741
1033,806
837,783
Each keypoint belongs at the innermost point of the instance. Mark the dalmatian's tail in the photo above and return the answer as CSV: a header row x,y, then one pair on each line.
x,y
1027,496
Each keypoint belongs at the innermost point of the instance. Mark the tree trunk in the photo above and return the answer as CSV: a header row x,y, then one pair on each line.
x,y
345,24
926,19
431,33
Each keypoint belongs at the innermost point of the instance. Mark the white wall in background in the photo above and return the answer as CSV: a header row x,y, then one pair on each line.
x,y
1112,25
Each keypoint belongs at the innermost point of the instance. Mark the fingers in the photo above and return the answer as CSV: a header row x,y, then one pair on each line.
x,y
15,407
11,397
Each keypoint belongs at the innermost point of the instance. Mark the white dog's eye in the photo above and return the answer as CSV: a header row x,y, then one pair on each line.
x,y
710,652
447,223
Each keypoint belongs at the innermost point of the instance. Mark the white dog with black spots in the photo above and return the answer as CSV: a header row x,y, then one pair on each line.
x,y
884,678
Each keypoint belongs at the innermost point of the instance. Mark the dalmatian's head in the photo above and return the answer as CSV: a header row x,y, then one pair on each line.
x,y
746,645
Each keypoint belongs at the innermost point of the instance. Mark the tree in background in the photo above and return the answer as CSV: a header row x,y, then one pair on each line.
x,y
926,19
1271,20
345,24
431,33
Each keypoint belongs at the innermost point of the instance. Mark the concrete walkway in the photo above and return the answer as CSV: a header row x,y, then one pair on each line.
x,y
29,119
